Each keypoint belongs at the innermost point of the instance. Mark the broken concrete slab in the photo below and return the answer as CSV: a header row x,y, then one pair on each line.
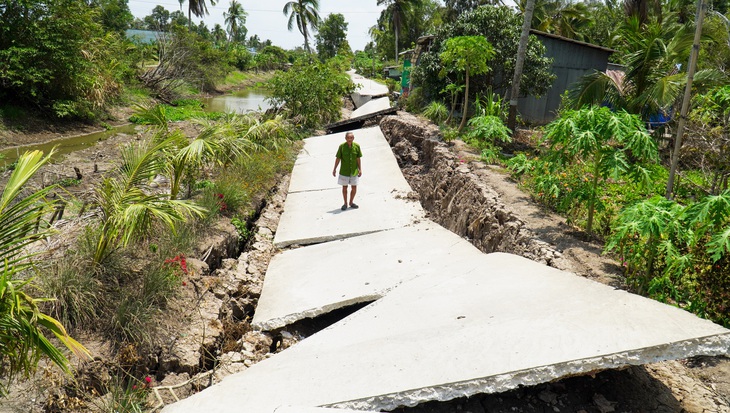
x,y
299,409
326,145
315,216
442,336
374,105
312,210
380,172
366,89
314,280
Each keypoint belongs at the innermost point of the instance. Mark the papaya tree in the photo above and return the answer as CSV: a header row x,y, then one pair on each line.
x,y
612,144
467,54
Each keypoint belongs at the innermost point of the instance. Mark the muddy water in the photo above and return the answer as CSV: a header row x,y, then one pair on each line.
x,y
66,145
242,101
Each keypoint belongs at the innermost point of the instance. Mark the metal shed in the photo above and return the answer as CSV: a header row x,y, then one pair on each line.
x,y
572,59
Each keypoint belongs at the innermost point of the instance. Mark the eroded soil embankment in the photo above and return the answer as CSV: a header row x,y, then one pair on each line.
x,y
454,196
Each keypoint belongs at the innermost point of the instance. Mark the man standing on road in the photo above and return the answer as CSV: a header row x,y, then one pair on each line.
x,y
349,155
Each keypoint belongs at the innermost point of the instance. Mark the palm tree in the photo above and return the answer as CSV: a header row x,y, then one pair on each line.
x,y
235,18
396,12
22,341
127,211
306,14
652,81
198,8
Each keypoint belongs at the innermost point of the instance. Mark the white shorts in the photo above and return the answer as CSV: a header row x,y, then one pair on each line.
x,y
348,180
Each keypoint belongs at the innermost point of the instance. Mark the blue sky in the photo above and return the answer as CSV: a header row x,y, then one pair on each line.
x,y
266,18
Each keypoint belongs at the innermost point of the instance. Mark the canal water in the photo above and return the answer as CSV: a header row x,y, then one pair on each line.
x,y
241,101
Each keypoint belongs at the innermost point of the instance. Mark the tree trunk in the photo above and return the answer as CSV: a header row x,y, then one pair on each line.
x,y
466,102
519,64
396,45
592,201
701,7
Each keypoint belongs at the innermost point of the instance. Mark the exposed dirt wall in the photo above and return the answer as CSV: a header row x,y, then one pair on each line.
x,y
453,193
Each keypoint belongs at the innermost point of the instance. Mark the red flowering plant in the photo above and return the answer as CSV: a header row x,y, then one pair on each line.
x,y
178,263
222,207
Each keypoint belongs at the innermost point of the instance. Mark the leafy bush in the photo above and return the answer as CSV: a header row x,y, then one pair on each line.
x,y
436,112
366,65
485,133
416,101
677,253
501,26
310,93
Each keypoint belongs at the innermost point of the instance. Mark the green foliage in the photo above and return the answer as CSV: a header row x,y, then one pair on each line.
x,y
436,112
311,94
367,65
54,55
127,211
501,26
244,233
488,129
240,58
490,104
678,253
331,36
416,101
468,54
613,143
485,133
22,323
271,58
66,182
160,115
409,19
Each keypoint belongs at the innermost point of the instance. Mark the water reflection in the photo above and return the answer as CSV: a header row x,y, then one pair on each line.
x,y
241,101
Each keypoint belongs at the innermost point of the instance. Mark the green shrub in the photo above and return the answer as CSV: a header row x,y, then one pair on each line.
x,y
436,112
311,93
416,101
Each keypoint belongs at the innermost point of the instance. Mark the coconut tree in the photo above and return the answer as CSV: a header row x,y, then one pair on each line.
x,y
22,323
198,8
127,210
396,12
235,19
305,13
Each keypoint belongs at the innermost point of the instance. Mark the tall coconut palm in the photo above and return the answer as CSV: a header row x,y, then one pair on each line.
x,y
306,15
198,8
22,340
396,12
235,19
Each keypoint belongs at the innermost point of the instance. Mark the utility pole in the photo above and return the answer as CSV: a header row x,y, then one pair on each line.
x,y
699,18
521,52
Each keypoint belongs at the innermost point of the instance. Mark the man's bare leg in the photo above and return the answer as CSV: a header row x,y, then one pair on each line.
x,y
353,191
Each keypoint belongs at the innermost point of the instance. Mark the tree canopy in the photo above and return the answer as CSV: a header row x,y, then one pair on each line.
x,y
332,36
501,27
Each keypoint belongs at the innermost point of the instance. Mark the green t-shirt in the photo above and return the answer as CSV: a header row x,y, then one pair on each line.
x,y
348,158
